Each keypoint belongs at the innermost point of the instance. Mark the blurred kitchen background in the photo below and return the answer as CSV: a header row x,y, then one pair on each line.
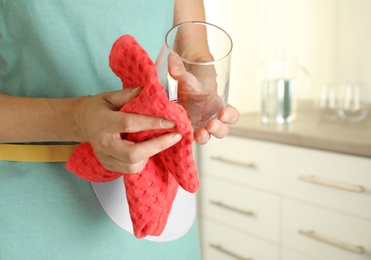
x,y
300,190
331,38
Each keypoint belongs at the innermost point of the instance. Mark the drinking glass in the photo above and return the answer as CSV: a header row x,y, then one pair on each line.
x,y
327,104
204,50
353,102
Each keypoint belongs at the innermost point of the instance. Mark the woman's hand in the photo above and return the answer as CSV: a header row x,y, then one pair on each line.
x,y
100,123
193,99
218,127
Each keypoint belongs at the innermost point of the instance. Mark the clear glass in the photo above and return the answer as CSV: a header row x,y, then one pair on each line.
x,y
353,102
205,53
328,102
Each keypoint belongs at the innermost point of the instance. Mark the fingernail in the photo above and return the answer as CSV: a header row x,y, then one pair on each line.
x,y
177,137
136,90
205,136
211,128
224,117
167,124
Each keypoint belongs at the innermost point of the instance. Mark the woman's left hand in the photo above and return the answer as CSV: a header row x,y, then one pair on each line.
x,y
217,127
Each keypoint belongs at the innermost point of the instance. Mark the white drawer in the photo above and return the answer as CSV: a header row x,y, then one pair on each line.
x,y
241,160
337,181
221,243
289,255
325,234
240,207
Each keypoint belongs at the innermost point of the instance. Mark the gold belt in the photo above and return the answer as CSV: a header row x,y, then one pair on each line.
x,y
36,152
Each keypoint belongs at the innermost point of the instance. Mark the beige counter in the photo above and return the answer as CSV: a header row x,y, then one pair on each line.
x,y
308,131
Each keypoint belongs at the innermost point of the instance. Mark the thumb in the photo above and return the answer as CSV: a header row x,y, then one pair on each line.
x,y
119,98
187,82
175,66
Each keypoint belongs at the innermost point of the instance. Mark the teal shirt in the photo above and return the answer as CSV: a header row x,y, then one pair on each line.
x,y
60,48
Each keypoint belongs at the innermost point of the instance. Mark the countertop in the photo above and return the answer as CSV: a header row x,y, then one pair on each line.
x,y
307,130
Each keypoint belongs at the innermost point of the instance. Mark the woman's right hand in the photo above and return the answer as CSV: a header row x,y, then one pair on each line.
x,y
99,122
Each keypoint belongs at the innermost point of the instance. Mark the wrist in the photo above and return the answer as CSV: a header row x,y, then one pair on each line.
x,y
78,118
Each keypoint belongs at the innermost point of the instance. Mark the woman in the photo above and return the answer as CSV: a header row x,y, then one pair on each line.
x,y
56,87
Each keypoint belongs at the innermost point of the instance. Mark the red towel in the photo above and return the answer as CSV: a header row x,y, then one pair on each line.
x,y
151,193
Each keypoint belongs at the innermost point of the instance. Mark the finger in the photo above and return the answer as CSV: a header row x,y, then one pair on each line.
x,y
187,82
146,149
119,98
113,164
202,136
217,128
114,153
229,115
175,66
129,157
131,123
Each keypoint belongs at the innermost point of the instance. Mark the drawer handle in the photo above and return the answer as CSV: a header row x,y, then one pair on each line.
x,y
241,211
331,241
227,252
333,184
229,161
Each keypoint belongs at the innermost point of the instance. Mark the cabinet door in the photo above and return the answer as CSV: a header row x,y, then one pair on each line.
x,y
241,160
240,207
221,243
337,181
289,255
325,234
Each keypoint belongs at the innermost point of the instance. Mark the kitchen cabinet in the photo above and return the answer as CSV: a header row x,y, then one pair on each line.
x,y
268,200
228,243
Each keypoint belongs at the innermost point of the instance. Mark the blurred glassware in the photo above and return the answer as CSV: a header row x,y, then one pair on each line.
x,y
353,106
327,106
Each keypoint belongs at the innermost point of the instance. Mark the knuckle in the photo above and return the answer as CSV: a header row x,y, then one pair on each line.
x,y
127,123
156,123
134,156
135,168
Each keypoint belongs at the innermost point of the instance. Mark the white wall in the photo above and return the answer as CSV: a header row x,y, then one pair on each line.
x,y
331,38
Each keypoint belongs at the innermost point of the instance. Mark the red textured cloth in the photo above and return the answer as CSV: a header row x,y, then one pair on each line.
x,y
151,193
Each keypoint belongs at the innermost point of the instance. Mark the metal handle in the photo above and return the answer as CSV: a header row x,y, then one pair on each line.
x,y
238,163
225,206
227,252
333,184
334,242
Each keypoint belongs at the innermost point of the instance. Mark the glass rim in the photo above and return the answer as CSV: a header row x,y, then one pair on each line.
x,y
199,62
